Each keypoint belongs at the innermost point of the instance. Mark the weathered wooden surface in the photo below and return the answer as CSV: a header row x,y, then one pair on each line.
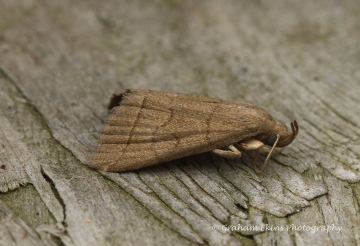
x,y
61,61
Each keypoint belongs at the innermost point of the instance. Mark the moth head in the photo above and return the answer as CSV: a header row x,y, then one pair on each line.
x,y
281,135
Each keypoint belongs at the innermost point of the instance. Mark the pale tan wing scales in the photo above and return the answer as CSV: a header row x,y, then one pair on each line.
x,y
154,127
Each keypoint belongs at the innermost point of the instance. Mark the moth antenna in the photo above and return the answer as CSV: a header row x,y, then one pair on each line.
x,y
260,170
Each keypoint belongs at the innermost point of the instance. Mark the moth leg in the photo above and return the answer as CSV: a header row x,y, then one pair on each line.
x,y
266,149
251,144
232,153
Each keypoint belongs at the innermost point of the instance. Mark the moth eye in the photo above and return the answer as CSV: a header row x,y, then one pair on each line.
x,y
271,139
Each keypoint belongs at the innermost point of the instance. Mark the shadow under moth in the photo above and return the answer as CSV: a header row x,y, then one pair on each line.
x,y
146,128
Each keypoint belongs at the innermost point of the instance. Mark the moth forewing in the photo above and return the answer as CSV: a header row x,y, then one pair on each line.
x,y
145,128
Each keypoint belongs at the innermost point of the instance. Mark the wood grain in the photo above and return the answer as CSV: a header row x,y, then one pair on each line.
x,y
61,61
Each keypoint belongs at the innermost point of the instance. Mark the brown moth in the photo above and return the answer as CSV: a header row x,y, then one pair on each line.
x,y
145,128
